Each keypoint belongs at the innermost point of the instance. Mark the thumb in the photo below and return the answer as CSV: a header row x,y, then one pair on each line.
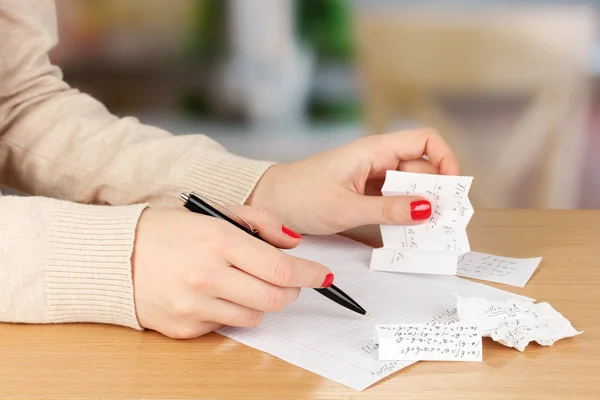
x,y
390,210
268,227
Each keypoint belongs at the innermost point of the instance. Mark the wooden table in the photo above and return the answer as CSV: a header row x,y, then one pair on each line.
x,y
87,361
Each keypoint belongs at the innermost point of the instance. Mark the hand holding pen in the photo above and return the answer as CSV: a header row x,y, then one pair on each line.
x,y
199,205
193,273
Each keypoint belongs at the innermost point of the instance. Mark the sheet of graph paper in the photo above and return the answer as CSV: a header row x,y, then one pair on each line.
x,y
443,236
488,267
320,336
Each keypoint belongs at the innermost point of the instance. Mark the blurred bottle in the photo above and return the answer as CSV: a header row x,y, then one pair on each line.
x,y
325,26
267,74
274,61
258,71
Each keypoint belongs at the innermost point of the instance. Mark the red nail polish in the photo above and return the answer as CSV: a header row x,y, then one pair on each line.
x,y
290,232
420,210
328,281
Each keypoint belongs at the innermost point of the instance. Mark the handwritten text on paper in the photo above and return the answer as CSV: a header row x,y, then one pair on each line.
x,y
488,267
434,246
515,322
439,342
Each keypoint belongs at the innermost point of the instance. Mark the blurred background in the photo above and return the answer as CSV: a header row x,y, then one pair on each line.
x,y
512,85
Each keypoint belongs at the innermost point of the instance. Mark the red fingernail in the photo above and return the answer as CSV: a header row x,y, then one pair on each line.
x,y
290,232
420,210
328,280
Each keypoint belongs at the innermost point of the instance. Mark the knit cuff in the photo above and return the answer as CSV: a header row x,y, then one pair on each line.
x,y
223,176
87,257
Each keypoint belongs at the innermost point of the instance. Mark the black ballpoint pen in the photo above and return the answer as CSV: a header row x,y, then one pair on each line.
x,y
195,204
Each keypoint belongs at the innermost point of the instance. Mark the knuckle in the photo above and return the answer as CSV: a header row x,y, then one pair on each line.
x,y
206,327
199,281
295,293
276,301
217,240
255,318
184,309
262,211
428,132
370,141
282,274
194,280
198,228
263,217
386,210
208,234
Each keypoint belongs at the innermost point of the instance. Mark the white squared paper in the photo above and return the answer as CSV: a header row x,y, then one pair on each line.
x,y
321,336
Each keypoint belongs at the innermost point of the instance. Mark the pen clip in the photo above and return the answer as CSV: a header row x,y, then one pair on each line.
x,y
217,203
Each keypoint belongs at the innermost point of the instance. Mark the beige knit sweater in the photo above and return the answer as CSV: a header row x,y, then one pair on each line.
x,y
65,252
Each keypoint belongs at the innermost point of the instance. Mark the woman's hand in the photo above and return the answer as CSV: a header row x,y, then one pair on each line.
x,y
193,273
341,189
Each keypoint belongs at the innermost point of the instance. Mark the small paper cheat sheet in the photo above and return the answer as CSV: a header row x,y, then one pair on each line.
x,y
488,267
432,247
448,341
515,322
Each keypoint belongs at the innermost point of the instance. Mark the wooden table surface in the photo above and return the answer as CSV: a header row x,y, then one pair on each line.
x,y
88,361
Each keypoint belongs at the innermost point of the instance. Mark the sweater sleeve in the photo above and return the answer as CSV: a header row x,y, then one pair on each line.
x,y
57,142
65,262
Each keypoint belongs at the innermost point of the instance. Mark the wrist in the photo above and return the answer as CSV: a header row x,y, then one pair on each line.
x,y
259,196
268,194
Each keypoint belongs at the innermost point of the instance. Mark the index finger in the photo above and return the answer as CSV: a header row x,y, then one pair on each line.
x,y
413,145
268,263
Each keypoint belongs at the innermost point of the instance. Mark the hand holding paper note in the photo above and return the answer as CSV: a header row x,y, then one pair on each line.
x,y
433,247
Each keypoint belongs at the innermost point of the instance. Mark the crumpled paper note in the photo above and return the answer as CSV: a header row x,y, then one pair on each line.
x,y
516,322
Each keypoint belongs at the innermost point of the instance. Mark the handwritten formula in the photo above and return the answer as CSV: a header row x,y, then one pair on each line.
x,y
445,231
443,341
515,323
510,271
487,264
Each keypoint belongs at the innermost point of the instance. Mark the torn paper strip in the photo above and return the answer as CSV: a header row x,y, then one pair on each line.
x,y
443,238
515,323
424,342
488,267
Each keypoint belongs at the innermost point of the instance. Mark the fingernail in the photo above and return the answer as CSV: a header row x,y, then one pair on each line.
x,y
420,210
328,281
290,232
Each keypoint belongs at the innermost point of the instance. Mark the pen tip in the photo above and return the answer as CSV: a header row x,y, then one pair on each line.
x,y
367,315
